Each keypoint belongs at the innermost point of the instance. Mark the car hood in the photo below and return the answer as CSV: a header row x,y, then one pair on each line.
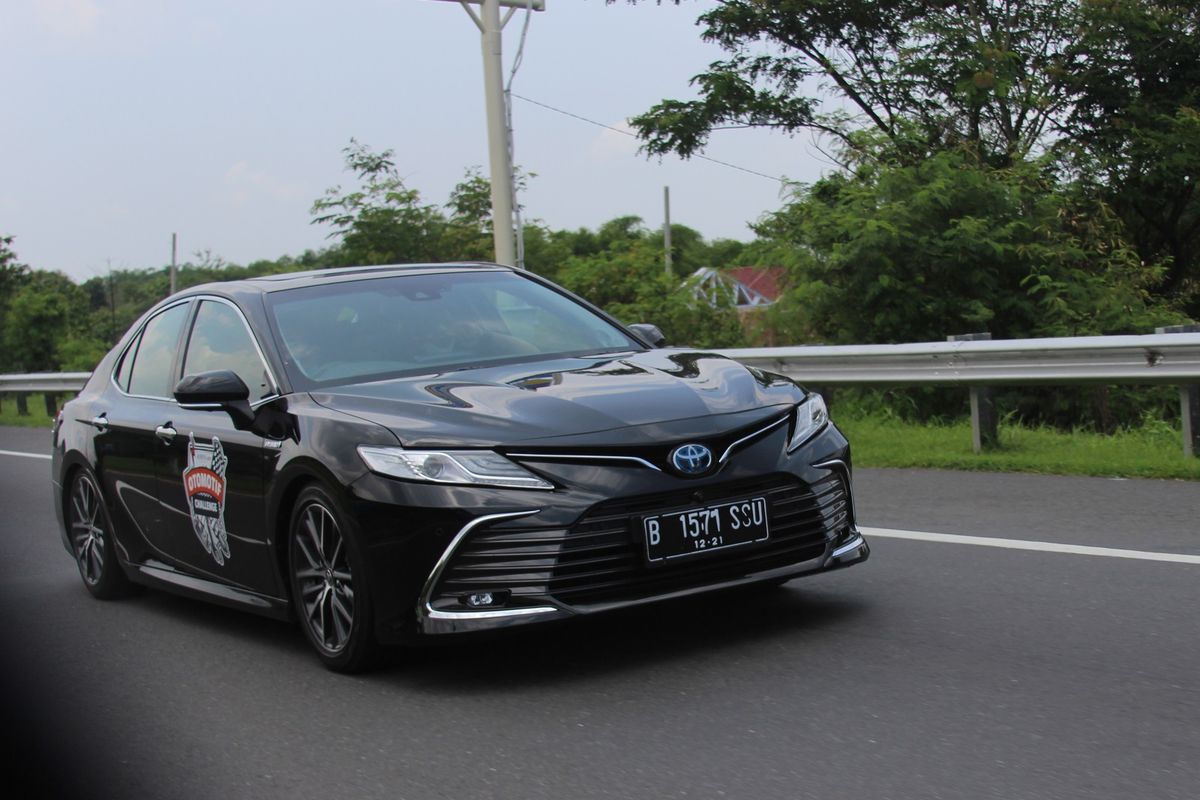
x,y
629,398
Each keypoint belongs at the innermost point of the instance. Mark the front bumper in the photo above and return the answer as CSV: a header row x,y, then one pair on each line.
x,y
552,556
853,549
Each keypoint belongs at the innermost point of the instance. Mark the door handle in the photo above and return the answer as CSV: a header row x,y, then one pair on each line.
x,y
100,422
166,433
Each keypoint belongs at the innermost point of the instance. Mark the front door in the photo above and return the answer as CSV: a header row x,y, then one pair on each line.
x,y
211,476
210,486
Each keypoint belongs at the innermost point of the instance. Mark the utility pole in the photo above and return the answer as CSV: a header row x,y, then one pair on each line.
x,y
667,229
491,27
112,307
172,265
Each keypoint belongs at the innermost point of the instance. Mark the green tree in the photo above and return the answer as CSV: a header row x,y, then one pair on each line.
x,y
12,272
925,74
1136,117
46,325
13,275
726,253
382,221
627,281
1110,88
896,253
547,251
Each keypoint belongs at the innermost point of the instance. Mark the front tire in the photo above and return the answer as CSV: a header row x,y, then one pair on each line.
x,y
91,535
329,582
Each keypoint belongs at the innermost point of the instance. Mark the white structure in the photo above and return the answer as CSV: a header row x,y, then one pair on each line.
x,y
749,287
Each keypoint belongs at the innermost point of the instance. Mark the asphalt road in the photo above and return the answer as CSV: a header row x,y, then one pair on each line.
x,y
935,670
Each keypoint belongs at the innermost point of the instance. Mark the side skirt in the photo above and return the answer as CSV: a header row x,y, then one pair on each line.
x,y
161,576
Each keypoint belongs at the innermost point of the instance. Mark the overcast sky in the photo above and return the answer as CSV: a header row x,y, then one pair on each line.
x,y
127,120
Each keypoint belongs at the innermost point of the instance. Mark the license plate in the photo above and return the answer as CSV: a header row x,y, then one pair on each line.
x,y
702,530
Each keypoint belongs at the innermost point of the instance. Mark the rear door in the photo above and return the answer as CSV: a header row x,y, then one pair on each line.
x,y
127,450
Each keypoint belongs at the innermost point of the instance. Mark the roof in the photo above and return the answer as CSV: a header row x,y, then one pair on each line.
x,y
766,281
747,286
292,280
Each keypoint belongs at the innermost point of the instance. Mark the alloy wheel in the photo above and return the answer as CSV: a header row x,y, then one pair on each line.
x,y
87,530
323,576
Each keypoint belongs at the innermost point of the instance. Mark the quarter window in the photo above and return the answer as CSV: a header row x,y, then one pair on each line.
x,y
151,372
122,376
220,340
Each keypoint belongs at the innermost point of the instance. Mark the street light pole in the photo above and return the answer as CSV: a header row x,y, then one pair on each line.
x,y
491,27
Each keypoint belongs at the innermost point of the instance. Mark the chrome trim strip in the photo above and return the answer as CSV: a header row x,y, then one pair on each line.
x,y
271,398
643,462
807,439
568,457
112,376
275,395
485,615
853,544
425,611
729,450
254,339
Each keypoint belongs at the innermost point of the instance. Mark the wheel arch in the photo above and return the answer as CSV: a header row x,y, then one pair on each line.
x,y
73,462
298,475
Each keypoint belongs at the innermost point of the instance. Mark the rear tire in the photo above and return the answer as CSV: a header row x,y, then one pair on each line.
x,y
329,582
90,531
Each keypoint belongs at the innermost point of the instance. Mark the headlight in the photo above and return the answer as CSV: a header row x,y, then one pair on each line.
x,y
811,417
476,467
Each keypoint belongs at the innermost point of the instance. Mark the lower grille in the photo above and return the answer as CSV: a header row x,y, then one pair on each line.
x,y
600,558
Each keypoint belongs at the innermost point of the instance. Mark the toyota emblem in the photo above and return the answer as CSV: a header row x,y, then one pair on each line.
x,y
691,459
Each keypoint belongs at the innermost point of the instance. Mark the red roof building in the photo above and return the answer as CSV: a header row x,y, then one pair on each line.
x,y
750,287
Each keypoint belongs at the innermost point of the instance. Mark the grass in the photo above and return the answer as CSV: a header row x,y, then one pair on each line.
x,y
1154,451
37,411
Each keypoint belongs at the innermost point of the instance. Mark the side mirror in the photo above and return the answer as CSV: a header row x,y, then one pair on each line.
x,y
650,334
219,390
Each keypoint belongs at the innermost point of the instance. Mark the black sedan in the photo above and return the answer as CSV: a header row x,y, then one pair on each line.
x,y
399,453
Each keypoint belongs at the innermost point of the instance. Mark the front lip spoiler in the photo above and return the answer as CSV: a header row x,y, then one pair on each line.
x,y
852,550
856,543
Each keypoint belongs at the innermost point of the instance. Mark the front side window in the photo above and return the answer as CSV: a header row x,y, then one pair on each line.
x,y
423,323
150,374
220,340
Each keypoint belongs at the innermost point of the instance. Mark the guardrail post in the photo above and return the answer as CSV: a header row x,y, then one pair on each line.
x,y
22,405
51,401
985,433
1189,401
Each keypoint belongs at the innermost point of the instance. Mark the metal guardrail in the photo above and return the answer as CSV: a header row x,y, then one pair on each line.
x,y
1161,358
1168,358
41,382
1171,356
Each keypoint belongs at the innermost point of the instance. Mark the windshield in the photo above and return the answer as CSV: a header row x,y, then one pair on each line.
x,y
363,330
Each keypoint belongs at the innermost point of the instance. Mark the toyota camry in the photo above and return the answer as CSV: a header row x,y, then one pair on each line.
x,y
401,453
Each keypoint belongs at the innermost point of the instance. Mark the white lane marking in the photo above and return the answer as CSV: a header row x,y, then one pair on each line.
x,y
26,455
1019,544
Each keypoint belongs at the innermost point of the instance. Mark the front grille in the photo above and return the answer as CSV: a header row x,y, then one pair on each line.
x,y
600,558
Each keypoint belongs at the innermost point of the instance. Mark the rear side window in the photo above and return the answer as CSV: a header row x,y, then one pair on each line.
x,y
220,340
150,375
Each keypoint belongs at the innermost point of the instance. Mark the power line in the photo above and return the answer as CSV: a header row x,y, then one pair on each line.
x,y
627,133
